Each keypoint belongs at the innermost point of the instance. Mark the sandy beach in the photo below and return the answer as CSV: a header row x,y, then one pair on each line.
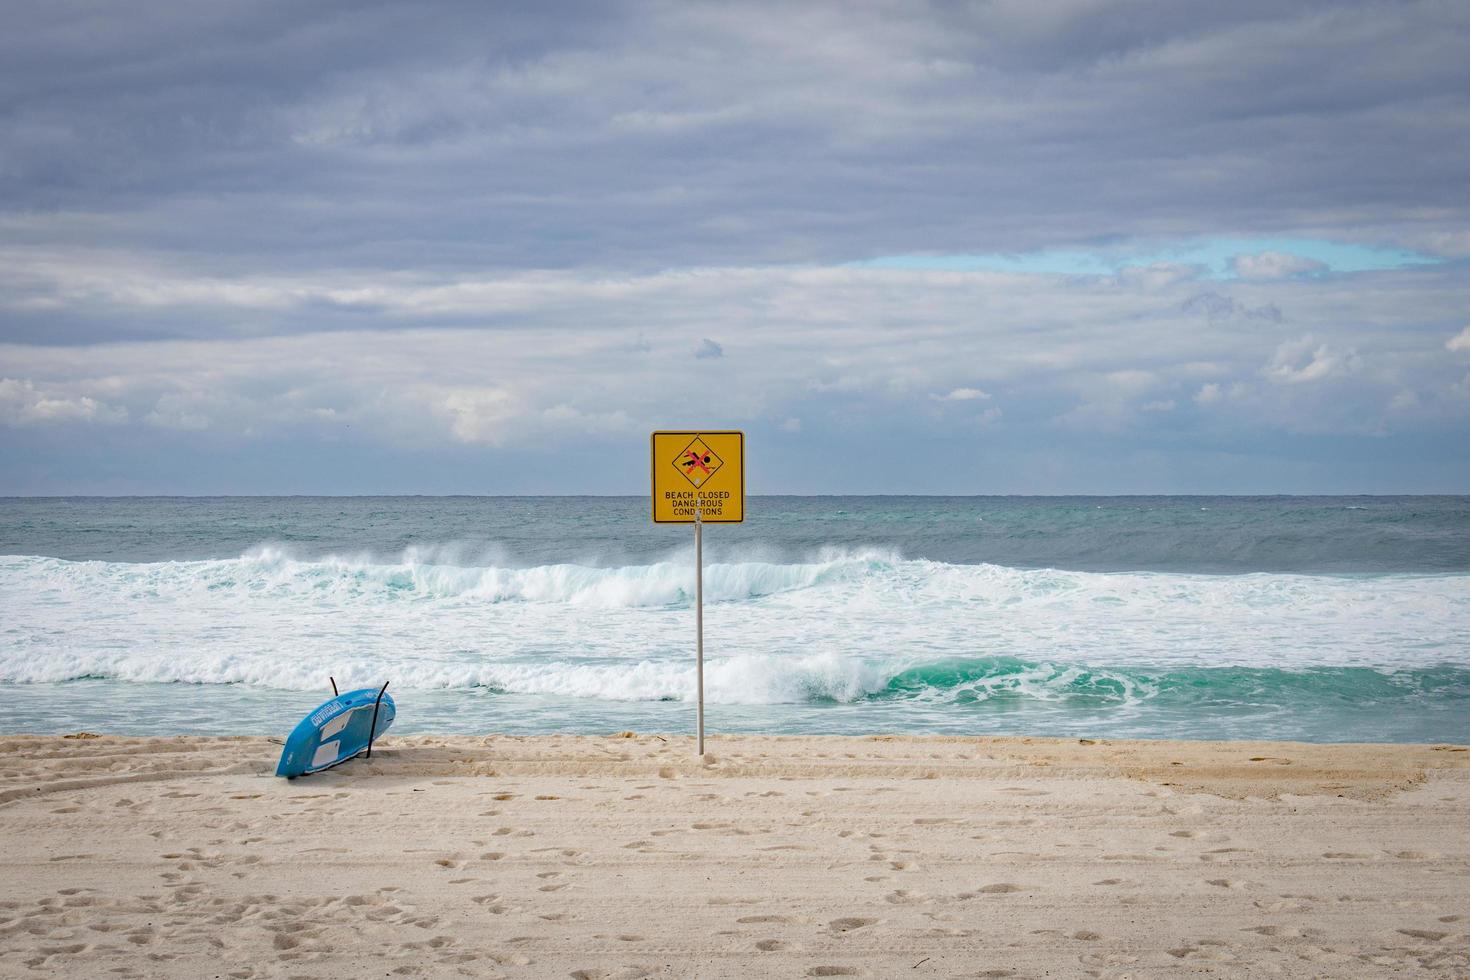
x,y
623,857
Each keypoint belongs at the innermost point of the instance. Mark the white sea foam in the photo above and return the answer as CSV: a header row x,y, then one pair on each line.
x,y
840,627
272,571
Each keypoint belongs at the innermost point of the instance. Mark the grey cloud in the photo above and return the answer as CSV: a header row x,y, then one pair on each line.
x,y
870,344
1214,306
708,350
464,136
451,232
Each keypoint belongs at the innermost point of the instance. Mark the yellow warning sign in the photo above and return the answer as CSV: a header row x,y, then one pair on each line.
x,y
704,468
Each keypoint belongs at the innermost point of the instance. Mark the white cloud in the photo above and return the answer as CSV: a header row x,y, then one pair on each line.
x,y
1459,342
1158,274
536,357
1304,360
23,404
591,423
1132,380
190,411
477,414
1274,265
962,395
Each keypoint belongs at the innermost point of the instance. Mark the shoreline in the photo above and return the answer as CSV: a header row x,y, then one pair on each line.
x,y
1229,768
611,856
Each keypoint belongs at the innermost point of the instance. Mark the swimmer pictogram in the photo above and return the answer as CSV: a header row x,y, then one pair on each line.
x,y
697,462
693,461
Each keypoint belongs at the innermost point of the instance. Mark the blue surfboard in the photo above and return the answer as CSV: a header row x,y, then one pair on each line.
x,y
335,732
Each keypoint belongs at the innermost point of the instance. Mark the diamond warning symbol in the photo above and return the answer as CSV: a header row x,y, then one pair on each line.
x,y
697,462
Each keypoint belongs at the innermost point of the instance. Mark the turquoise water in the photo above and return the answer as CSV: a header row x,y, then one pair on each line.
x,y
1325,619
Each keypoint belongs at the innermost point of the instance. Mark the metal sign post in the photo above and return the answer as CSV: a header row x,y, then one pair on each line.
x,y
698,477
699,625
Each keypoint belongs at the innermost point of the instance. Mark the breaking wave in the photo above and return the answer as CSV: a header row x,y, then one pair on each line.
x,y
849,628
270,571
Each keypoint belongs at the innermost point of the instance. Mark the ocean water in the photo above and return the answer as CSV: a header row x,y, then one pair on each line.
x,y
1321,619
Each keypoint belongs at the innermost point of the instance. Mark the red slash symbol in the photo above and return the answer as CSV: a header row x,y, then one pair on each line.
x,y
693,460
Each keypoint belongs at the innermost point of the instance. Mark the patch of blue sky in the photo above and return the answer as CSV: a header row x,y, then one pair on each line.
x,y
1213,256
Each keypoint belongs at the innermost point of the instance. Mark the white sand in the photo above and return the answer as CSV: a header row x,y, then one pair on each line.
x,y
782,857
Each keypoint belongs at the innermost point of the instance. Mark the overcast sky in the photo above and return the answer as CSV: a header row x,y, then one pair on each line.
x,y
1086,246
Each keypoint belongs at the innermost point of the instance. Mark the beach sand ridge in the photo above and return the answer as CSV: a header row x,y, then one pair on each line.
x,y
624,856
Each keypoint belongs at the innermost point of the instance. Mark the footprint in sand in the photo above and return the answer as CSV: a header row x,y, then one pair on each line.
x,y
832,971
1285,904
849,924
1276,932
905,897
1002,888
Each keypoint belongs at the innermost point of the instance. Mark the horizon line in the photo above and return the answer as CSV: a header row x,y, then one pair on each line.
x,y
640,495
